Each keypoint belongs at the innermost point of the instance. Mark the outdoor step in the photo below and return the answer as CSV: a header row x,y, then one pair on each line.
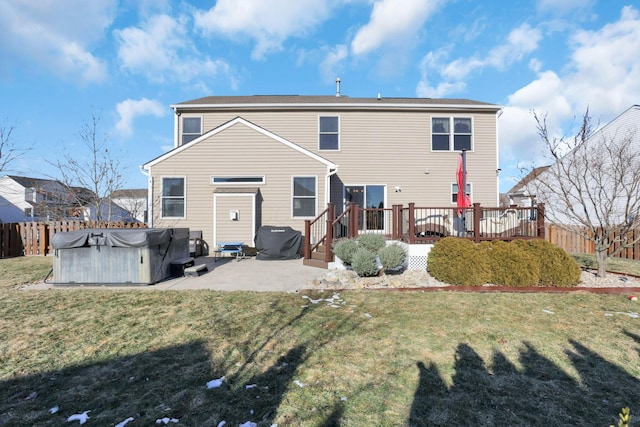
x,y
196,270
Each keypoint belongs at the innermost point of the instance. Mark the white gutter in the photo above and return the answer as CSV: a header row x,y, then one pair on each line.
x,y
176,123
327,188
367,105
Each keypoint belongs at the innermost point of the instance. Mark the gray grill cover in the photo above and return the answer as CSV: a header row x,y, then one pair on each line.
x,y
277,243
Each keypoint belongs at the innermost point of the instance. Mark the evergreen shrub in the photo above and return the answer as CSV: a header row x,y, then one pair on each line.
x,y
557,267
372,242
458,262
364,263
511,265
392,256
345,249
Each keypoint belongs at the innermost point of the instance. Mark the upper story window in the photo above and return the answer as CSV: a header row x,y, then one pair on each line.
x,y
454,192
173,197
329,136
191,128
451,133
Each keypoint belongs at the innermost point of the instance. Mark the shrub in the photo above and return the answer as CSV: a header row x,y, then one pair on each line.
x,y
557,267
392,256
364,263
458,262
372,242
345,249
511,265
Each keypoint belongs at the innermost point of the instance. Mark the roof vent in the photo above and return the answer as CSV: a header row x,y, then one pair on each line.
x,y
338,87
379,96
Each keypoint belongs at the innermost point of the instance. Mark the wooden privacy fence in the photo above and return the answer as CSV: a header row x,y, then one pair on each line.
x,y
575,243
34,238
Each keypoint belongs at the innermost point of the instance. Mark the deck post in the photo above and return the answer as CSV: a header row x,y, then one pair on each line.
x,y
331,216
540,220
412,223
396,222
477,214
354,220
307,239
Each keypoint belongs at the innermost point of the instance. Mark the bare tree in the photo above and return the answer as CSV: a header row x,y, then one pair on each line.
x,y
93,172
9,151
592,187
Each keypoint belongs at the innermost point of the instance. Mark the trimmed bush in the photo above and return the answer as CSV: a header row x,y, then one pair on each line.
x,y
557,267
345,249
372,242
511,265
392,256
458,262
364,263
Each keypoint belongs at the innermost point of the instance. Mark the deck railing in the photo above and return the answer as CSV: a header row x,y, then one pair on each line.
x,y
416,225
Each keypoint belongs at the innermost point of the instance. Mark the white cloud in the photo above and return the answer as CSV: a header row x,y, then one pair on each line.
x,y
129,109
331,64
393,22
57,38
269,23
160,49
601,75
564,7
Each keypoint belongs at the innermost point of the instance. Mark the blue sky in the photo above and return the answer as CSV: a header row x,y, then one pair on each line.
x,y
127,61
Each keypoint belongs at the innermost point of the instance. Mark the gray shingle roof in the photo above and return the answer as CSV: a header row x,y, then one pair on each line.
x,y
324,100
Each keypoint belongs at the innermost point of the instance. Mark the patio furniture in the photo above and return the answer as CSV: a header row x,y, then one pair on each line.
x,y
234,248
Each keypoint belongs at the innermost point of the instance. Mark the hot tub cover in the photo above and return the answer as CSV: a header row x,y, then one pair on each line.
x,y
114,237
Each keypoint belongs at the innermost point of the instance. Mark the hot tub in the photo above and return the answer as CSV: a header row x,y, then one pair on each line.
x,y
140,256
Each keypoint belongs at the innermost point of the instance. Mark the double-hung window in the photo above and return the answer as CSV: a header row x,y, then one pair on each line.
x,y
304,196
454,192
451,133
173,197
329,135
191,128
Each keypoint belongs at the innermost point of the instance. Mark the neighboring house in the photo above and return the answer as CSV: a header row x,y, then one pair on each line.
x,y
37,199
241,162
520,194
133,201
592,163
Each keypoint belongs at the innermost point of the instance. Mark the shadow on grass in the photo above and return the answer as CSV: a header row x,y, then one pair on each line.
x,y
539,394
171,382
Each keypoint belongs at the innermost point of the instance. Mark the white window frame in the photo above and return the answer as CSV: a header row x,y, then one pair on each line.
x,y
452,133
184,197
183,134
454,191
335,116
261,177
293,196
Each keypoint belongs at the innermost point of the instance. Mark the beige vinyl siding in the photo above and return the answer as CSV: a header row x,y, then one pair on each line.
x,y
238,151
240,230
390,147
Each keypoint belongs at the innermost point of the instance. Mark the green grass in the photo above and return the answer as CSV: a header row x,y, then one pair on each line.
x,y
615,265
367,358
22,270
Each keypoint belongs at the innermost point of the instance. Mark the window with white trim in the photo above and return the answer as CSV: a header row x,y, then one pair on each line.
x,y
173,197
451,133
304,196
191,128
454,192
237,180
329,133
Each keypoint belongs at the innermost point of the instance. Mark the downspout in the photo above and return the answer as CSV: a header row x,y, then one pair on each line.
x,y
147,172
176,126
498,114
327,192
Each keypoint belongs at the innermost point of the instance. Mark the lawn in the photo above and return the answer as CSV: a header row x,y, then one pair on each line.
x,y
358,358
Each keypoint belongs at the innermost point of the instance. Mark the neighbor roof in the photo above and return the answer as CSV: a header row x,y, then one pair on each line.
x,y
132,193
535,172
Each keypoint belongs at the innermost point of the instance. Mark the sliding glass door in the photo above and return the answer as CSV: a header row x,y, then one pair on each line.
x,y
371,197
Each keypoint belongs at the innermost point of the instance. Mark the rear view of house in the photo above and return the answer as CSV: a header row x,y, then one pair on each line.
x,y
242,162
